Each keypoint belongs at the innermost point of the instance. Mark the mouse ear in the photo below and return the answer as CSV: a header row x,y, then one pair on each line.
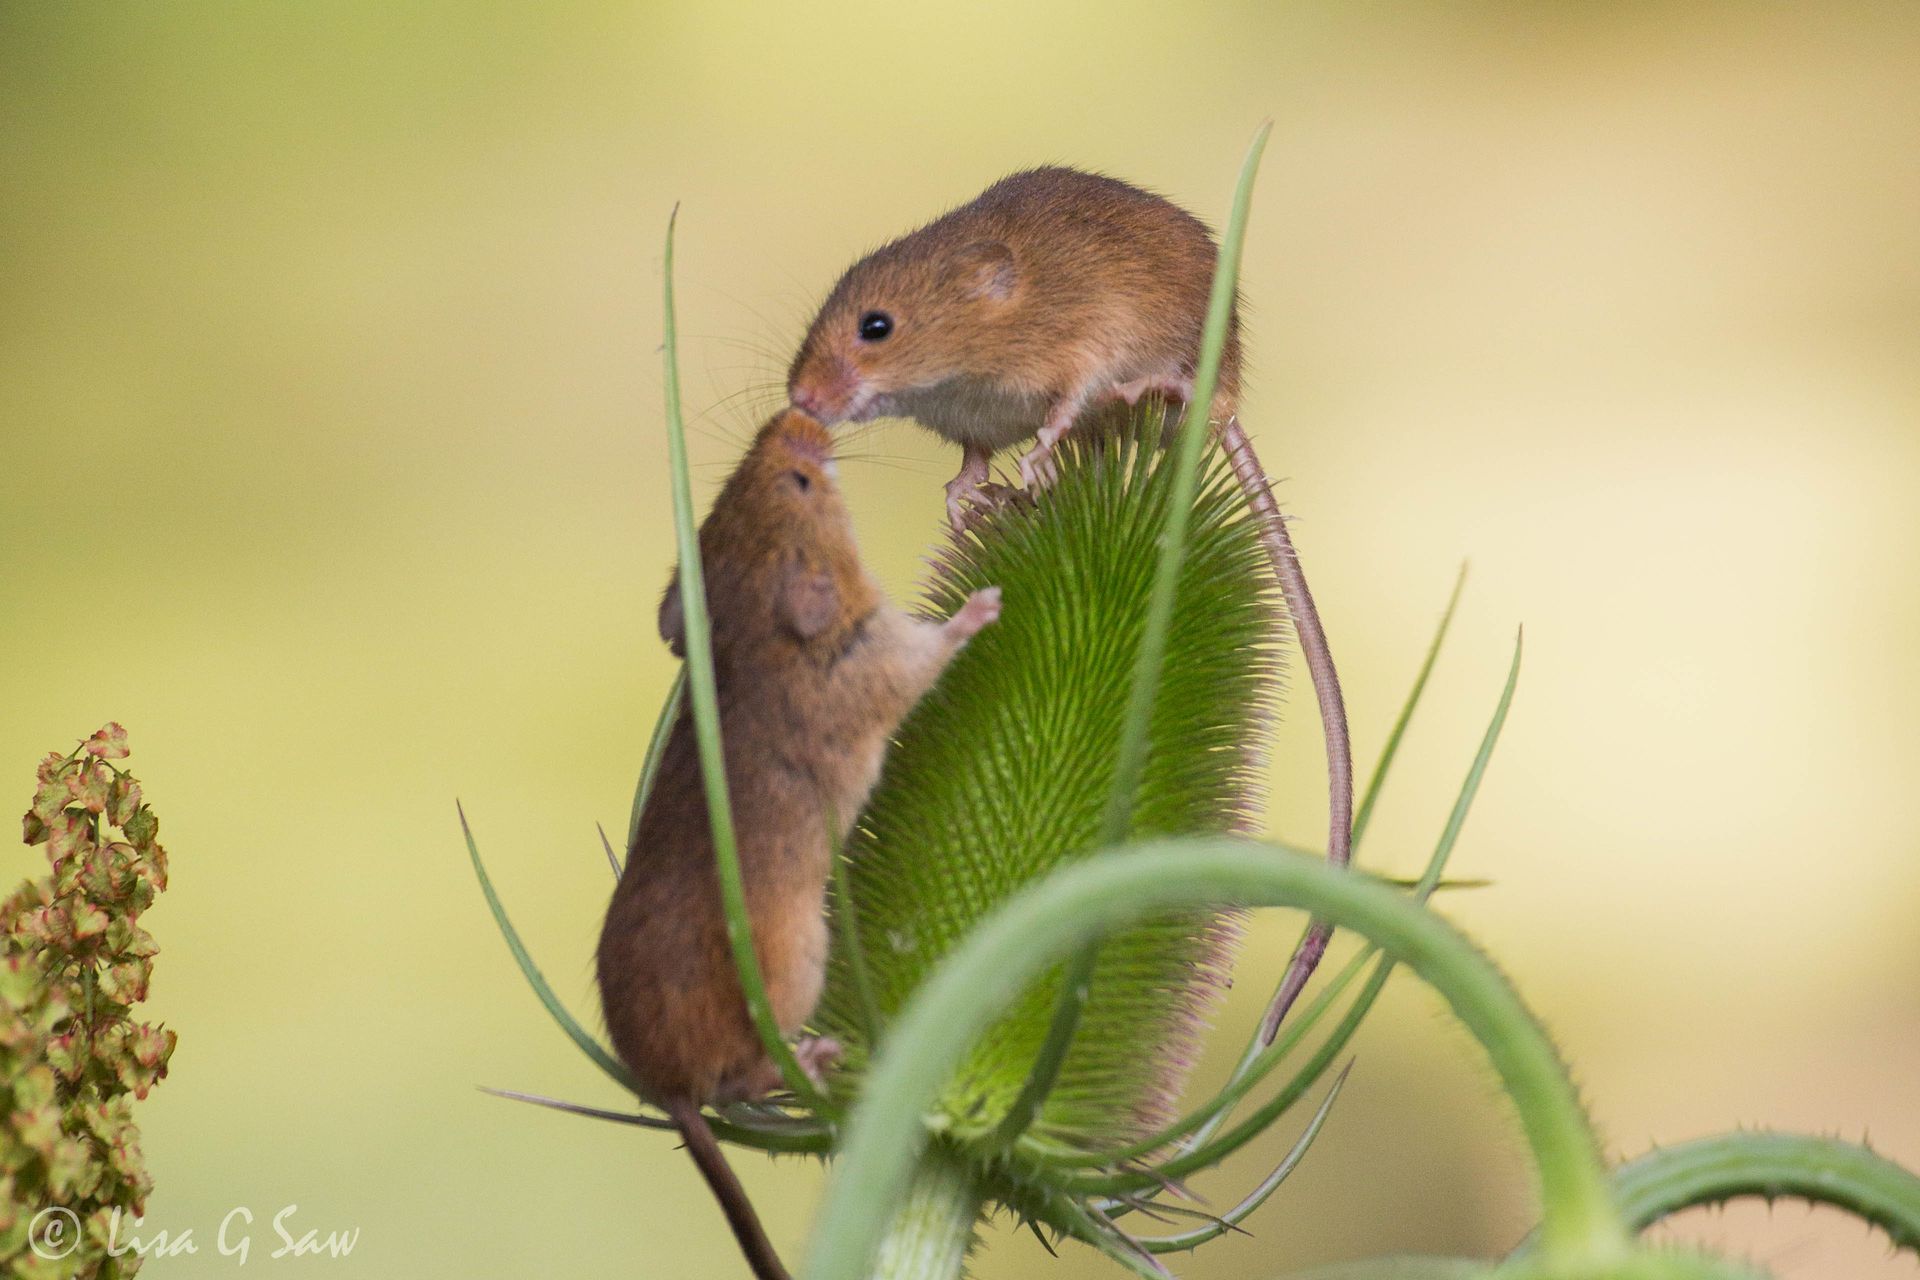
x,y
673,623
986,269
808,601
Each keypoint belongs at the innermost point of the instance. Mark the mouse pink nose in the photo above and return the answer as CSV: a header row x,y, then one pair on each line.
x,y
808,400
826,388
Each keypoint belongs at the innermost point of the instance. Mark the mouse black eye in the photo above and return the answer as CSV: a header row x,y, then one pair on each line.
x,y
800,478
875,325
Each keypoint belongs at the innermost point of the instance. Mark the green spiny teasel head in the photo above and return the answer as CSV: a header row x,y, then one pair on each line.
x,y
1003,771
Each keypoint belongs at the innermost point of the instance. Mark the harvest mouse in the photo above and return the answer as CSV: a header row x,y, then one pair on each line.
x,y
815,669
1052,294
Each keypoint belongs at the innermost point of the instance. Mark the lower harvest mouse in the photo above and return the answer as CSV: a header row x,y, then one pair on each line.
x,y
815,669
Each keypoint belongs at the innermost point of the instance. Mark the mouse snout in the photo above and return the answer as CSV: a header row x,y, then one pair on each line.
x,y
826,389
808,400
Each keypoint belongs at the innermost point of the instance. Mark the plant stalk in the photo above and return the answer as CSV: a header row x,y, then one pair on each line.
x,y
1582,1227
704,694
931,1232
1771,1165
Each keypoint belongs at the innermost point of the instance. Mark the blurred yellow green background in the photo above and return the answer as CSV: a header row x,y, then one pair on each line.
x,y
331,463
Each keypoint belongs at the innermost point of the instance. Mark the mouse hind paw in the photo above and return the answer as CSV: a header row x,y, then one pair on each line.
x,y
969,489
817,1055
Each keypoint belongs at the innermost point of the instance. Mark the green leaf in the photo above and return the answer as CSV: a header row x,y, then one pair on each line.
x,y
109,743
141,828
1363,816
37,1129
1232,1218
531,971
50,800
33,1088
768,1139
125,982
91,786
123,800
87,921
662,728
125,938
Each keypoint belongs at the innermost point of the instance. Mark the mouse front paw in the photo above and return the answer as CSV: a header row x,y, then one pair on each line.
x,y
981,609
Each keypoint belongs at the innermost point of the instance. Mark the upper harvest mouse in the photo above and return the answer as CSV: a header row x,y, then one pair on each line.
x,y
1053,293
815,669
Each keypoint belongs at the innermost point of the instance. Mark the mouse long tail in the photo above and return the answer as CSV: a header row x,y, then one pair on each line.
x,y
1326,687
706,1153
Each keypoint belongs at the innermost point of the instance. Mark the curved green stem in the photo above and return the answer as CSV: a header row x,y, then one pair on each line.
x,y
638,1120
786,1138
1291,986
1232,1218
847,917
1207,1151
670,712
1277,1006
1207,1154
792,1138
1821,1170
531,971
1408,1268
1075,986
1192,434
1236,1088
1202,1150
1131,755
1363,816
706,724
1081,902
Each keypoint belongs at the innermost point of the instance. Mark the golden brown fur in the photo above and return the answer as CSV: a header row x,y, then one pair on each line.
x,y
814,669
1052,285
